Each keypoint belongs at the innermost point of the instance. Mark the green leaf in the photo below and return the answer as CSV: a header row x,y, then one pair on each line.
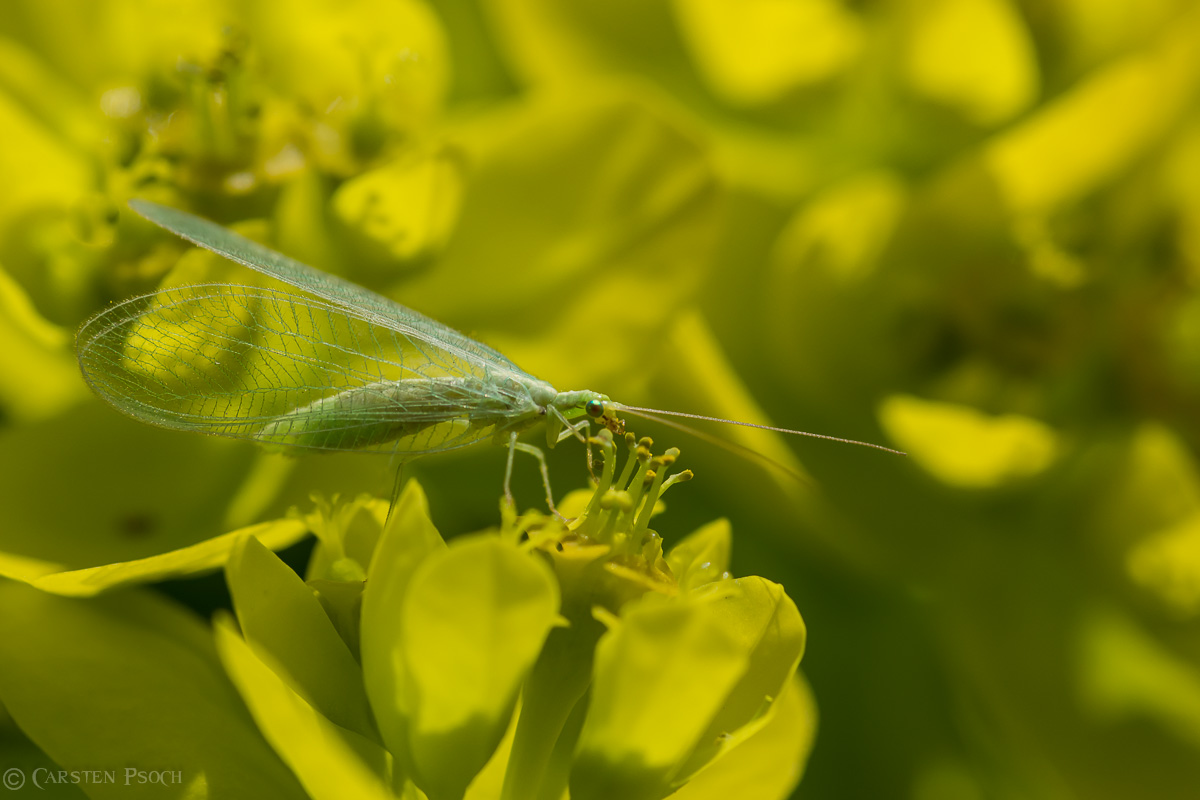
x,y
471,627
552,694
198,558
331,762
283,622
130,681
408,539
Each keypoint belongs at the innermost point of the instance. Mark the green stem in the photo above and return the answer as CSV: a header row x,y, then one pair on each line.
x,y
558,680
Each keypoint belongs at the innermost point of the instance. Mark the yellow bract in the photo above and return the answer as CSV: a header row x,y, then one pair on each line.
x,y
202,557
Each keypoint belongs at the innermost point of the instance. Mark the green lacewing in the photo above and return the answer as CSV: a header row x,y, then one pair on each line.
x,y
336,368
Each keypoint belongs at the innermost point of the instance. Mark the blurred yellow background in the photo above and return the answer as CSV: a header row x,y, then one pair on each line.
x,y
969,229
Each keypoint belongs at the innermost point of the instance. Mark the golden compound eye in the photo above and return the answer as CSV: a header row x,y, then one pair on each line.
x,y
594,409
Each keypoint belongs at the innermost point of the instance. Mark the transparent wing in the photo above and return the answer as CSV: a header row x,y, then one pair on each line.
x,y
379,309
286,370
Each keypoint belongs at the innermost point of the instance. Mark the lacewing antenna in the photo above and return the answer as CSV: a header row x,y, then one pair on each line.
x,y
644,412
733,447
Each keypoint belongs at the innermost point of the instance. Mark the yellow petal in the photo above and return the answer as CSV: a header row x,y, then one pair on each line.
x,y
330,762
1125,673
661,675
40,171
39,376
769,763
406,208
964,447
282,621
407,541
1084,137
756,51
702,555
973,55
472,626
347,59
1168,564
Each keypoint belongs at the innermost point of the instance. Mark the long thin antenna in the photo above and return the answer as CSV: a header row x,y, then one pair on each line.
x,y
748,453
635,410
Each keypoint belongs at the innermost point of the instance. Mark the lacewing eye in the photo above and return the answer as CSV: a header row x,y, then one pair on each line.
x,y
594,409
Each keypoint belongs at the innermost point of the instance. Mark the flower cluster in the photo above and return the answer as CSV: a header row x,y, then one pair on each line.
x,y
548,656
964,228
632,671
